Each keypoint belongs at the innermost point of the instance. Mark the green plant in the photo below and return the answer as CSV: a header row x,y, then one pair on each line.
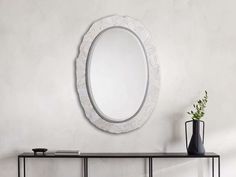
x,y
199,107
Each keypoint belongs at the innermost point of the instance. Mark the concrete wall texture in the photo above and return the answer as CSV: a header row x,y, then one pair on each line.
x,y
39,106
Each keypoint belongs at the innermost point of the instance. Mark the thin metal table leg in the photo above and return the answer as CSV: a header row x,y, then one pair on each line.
x,y
213,167
85,167
150,167
18,166
24,166
218,166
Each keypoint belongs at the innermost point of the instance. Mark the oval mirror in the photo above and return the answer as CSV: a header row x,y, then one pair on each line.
x,y
117,74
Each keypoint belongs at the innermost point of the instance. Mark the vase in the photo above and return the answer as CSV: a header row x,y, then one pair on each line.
x,y
196,144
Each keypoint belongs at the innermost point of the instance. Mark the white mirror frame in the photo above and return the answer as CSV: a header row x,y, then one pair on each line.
x,y
153,74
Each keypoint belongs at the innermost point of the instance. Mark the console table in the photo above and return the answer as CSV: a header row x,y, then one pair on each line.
x,y
150,156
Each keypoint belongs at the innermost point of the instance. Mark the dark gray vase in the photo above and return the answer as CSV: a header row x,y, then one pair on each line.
x,y
196,144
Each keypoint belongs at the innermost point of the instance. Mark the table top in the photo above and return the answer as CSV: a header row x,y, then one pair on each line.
x,y
120,155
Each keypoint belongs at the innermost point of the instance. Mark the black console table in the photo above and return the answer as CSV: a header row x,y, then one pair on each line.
x,y
149,156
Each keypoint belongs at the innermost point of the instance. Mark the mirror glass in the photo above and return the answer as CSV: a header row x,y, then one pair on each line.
x,y
117,74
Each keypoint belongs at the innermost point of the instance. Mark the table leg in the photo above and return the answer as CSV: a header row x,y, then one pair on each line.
x,y
213,167
18,166
218,166
150,167
24,166
85,167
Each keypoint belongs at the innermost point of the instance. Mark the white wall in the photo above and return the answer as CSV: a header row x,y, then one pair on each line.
x,y
196,42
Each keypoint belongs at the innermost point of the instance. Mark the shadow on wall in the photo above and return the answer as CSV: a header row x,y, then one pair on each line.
x,y
177,130
178,167
8,164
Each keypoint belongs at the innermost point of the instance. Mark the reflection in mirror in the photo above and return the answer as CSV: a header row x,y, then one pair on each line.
x,y
117,74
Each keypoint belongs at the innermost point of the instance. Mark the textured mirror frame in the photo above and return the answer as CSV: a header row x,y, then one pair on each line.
x,y
153,74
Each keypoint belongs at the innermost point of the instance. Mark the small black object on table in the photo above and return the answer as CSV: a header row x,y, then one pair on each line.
x,y
149,156
37,151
